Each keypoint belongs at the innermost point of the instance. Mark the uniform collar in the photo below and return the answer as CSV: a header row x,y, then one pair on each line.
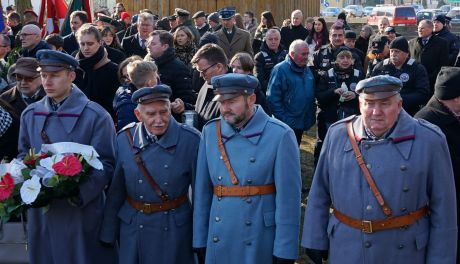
x,y
68,113
252,131
168,141
402,135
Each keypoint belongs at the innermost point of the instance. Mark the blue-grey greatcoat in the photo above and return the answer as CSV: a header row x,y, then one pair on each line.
x,y
291,94
411,168
66,233
248,230
160,237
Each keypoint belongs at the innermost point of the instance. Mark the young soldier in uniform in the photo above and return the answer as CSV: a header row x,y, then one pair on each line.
x,y
148,203
247,191
68,231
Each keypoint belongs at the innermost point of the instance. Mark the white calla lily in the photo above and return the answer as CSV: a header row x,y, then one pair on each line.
x,y
30,190
15,169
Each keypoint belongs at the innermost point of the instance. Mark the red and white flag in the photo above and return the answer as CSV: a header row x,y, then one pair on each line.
x,y
56,11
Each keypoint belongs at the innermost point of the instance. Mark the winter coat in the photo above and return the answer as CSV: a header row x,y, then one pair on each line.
x,y
265,60
453,43
68,232
248,229
241,42
160,237
411,168
291,33
291,95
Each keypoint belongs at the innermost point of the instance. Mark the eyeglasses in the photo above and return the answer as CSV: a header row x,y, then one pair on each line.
x,y
23,35
26,79
205,70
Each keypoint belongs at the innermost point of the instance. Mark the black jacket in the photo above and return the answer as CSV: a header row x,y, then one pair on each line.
x,y
33,52
433,56
453,42
9,140
291,33
99,81
265,60
132,47
416,89
14,98
115,55
175,74
70,43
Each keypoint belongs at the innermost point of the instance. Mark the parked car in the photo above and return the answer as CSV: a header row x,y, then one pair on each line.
x,y
446,8
397,15
331,12
454,13
354,10
368,10
427,14
417,7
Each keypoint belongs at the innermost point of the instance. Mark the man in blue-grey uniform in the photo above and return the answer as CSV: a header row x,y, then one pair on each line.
x,y
388,180
247,190
147,208
68,231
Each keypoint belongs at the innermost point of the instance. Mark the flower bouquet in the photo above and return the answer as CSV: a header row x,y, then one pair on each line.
x,y
56,172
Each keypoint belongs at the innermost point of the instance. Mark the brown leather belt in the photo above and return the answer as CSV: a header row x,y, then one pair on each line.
x,y
148,208
249,190
378,225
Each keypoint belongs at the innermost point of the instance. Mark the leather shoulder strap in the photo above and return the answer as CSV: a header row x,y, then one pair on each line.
x,y
137,157
367,175
223,153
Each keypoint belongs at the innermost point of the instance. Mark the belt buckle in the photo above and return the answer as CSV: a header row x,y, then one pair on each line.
x,y
366,227
219,191
146,207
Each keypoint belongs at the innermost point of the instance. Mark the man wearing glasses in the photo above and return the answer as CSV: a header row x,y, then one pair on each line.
x,y
137,44
31,41
28,88
210,61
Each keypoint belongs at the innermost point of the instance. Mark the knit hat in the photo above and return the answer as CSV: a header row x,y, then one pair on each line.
x,y
342,16
208,37
446,86
400,43
350,34
442,18
124,15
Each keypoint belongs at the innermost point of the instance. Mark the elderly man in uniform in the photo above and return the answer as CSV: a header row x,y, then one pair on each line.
x,y
247,190
148,201
416,87
388,179
68,231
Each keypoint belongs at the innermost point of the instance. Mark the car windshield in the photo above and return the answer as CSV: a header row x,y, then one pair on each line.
x,y
454,14
405,12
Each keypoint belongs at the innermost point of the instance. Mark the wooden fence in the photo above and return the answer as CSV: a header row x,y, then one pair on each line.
x,y
281,9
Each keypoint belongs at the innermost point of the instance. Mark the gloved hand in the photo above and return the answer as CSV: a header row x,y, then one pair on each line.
x,y
277,260
317,255
201,254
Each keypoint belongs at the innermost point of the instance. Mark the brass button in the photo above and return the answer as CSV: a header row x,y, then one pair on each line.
x,y
140,181
403,167
166,166
401,246
141,197
249,200
368,166
165,212
369,207
166,183
215,239
141,226
248,222
217,219
219,178
405,189
367,244
220,157
252,159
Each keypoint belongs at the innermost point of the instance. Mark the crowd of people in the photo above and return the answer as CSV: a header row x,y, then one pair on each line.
x,y
198,126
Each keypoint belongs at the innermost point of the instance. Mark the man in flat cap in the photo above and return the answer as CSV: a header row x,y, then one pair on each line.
x,y
148,200
430,50
231,38
387,179
413,75
199,18
443,110
172,22
379,50
214,22
441,29
183,19
247,190
69,228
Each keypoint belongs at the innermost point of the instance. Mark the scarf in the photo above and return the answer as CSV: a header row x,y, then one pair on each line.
x,y
318,38
94,62
185,52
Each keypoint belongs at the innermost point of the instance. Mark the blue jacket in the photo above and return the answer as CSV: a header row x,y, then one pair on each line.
x,y
291,95
123,106
411,168
160,237
251,229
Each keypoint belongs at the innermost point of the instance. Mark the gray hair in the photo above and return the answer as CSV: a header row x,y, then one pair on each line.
x,y
296,44
144,17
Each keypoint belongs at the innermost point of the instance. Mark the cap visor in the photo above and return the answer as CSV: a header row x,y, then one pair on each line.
x,y
223,97
377,95
25,72
49,68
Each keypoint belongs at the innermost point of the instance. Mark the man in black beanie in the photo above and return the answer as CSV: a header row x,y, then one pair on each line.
x,y
429,50
415,91
443,110
440,26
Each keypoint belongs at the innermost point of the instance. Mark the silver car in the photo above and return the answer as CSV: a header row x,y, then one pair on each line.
x,y
354,10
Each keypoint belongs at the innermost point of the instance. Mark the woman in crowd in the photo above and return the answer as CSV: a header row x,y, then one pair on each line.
x,y
110,38
318,37
243,63
184,45
266,22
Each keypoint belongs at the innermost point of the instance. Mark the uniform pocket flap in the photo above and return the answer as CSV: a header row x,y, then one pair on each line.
x,y
421,240
269,218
